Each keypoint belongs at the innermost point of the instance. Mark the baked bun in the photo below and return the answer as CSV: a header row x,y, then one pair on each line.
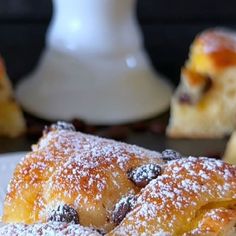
x,y
230,151
76,180
69,170
12,123
192,195
204,104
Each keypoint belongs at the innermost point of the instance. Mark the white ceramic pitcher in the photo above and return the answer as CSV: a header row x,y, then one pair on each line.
x,y
94,67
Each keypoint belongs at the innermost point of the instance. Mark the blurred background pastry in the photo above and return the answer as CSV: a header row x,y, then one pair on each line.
x,y
204,104
230,151
12,122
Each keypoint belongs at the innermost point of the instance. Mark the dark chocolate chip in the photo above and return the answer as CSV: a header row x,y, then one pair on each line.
x,y
60,125
100,231
64,213
124,206
142,175
169,155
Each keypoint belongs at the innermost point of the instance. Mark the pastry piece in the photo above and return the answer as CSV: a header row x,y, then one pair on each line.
x,y
219,221
230,152
11,118
192,195
46,229
204,104
72,184
68,171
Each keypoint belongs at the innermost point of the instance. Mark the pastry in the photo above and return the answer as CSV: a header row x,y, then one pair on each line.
x,y
203,105
219,221
71,179
11,118
192,195
68,169
230,151
47,229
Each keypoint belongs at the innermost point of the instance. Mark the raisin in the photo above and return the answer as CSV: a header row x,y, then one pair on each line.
x,y
124,206
64,213
169,155
185,98
142,175
60,125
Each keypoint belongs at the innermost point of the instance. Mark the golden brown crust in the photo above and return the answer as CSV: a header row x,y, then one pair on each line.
x,y
172,203
66,167
220,46
219,221
12,122
5,85
193,79
90,179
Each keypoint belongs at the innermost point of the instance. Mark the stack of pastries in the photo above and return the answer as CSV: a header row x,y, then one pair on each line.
x,y
204,104
77,184
12,122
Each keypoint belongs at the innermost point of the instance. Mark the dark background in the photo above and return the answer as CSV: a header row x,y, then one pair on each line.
x,y
168,26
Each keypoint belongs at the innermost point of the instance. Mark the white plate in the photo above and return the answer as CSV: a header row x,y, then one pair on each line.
x,y
8,162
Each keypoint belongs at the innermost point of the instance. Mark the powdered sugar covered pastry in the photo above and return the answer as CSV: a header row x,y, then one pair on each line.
x,y
183,200
219,221
47,229
73,183
68,169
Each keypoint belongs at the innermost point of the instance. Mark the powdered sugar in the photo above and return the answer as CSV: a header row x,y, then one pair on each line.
x,y
82,169
174,198
142,175
73,166
221,221
47,229
125,205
